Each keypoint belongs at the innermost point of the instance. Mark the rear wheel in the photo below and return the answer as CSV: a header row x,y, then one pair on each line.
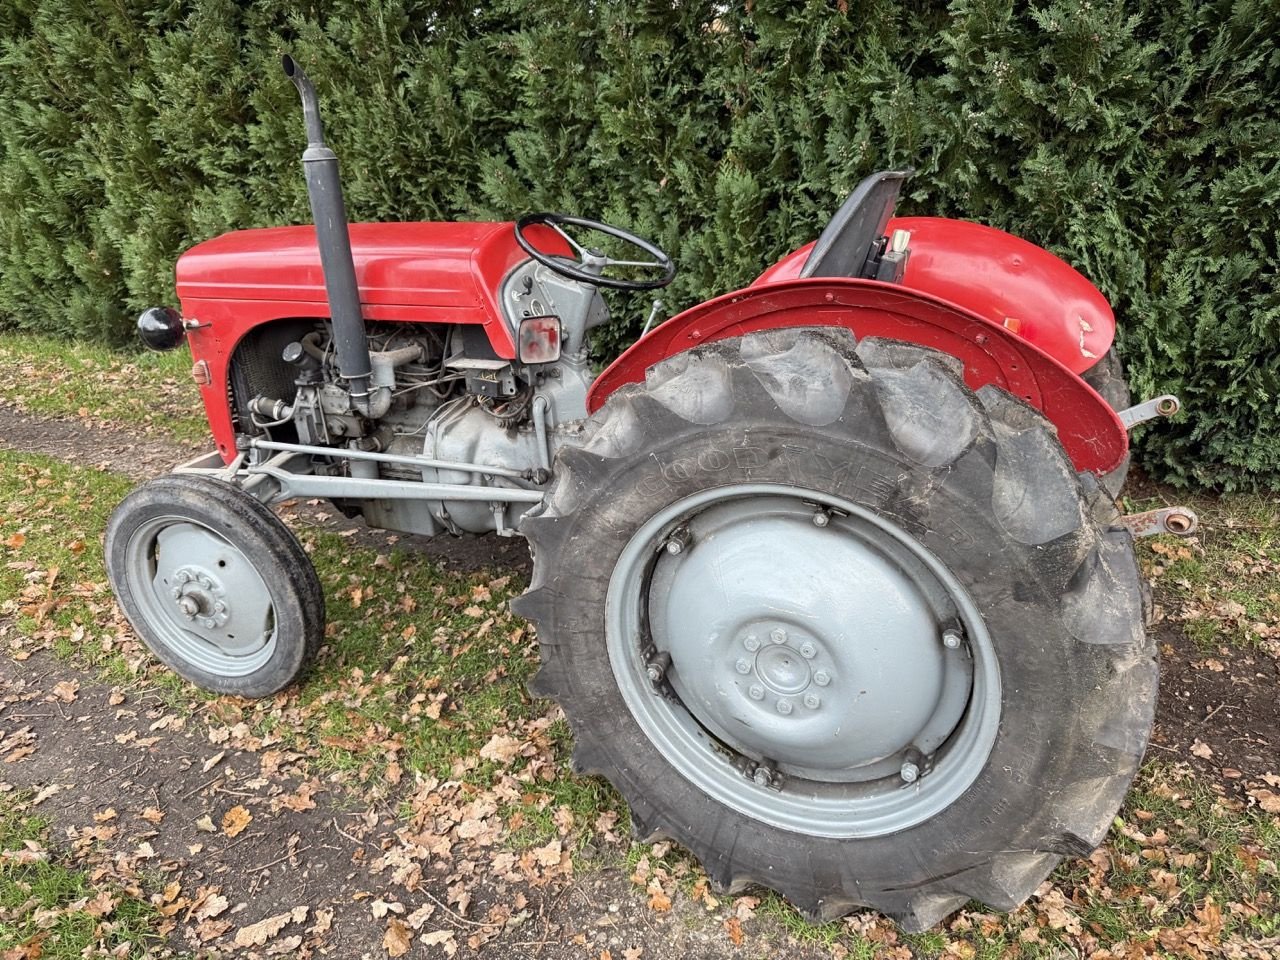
x,y
842,627
214,583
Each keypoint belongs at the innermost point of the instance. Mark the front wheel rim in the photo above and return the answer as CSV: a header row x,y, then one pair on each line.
x,y
201,597
802,660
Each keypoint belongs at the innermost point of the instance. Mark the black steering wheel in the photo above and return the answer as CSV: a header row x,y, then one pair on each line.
x,y
591,263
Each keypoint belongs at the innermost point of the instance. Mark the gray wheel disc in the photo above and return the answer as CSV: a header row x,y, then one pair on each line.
x,y
202,596
819,670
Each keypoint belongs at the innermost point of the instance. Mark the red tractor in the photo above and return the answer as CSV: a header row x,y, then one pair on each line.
x,y
829,573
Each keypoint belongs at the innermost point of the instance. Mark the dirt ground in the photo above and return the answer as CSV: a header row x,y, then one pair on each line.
x,y
119,773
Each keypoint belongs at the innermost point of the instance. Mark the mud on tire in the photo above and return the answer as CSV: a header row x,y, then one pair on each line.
x,y
964,502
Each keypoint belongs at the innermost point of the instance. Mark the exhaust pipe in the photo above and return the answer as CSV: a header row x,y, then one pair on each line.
x,y
324,189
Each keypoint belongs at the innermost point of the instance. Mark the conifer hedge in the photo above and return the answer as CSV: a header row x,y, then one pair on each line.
x,y
1139,140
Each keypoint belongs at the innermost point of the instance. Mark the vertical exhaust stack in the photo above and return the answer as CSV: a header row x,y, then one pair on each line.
x,y
324,189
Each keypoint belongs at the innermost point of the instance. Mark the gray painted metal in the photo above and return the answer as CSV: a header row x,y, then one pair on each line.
x,y
208,602
847,676
329,211
409,460
1177,521
359,488
1163,406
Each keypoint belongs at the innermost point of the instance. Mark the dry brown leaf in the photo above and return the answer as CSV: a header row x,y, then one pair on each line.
x,y
235,820
152,815
397,939
733,927
437,937
66,690
500,748
1201,749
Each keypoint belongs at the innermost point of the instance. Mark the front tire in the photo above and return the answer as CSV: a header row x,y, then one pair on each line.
x,y
842,627
215,584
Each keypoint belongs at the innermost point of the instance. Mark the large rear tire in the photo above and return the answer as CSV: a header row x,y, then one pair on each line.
x,y
842,627
215,584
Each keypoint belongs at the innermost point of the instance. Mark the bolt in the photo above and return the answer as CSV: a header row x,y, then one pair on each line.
x,y
679,539
761,776
951,639
656,668
812,701
177,593
674,547
189,607
184,577
808,650
910,773
756,691
752,643
784,707
205,582
208,623
219,607
742,666
822,678
778,635
821,518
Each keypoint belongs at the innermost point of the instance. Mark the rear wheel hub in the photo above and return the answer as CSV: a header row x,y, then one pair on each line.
x,y
806,636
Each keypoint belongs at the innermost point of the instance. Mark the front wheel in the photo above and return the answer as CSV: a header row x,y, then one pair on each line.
x,y
843,627
215,584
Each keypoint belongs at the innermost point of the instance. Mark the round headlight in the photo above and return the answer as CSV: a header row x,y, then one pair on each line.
x,y
161,328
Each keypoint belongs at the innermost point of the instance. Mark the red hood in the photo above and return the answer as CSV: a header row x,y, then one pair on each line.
x,y
451,265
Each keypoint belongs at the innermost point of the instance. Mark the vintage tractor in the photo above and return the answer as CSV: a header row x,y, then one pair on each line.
x,y
829,574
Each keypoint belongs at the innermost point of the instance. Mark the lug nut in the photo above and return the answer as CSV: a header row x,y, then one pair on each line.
x,y
756,691
808,650
742,666
752,643
910,773
821,518
184,576
784,707
822,678
678,541
177,593
208,623
219,607
778,635
951,639
812,701
761,776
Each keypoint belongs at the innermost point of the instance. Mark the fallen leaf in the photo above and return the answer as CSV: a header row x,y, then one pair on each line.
x,y
733,927
66,690
1201,750
205,824
397,939
235,820
500,748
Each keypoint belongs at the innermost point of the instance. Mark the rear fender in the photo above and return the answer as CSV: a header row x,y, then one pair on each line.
x,y
1009,281
1089,429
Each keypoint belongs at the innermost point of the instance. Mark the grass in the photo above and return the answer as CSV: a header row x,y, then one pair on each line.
x,y
1223,586
59,378
422,667
52,910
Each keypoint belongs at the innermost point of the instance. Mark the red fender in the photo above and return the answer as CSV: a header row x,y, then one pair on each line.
x,y
1005,279
1089,429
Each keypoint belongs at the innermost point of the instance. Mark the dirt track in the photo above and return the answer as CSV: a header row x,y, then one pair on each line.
x,y
316,844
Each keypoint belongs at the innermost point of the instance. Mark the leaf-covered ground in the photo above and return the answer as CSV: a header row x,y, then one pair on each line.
x,y
411,799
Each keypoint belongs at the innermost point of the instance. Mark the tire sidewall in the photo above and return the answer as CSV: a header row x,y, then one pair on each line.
x,y
265,542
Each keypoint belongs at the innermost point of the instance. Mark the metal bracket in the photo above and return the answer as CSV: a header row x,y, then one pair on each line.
x,y
1178,521
1163,406
762,774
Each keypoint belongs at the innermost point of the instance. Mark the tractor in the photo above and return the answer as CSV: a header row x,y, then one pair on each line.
x,y
829,573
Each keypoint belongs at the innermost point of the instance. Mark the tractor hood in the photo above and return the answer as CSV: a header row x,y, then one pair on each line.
x,y
442,272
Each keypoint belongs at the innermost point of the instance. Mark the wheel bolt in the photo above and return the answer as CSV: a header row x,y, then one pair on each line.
x,y
219,607
189,607
910,773
756,691
784,707
752,643
821,518
208,623
808,650
177,593
812,701
678,540
822,678
761,776
778,635
951,639
742,666
184,577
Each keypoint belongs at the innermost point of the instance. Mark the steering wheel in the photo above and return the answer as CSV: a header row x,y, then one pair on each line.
x,y
591,263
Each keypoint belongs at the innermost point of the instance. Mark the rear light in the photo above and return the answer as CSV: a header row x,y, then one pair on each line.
x,y
539,340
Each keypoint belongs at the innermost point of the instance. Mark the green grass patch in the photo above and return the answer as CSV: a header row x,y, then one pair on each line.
x,y
1223,585
51,909
87,381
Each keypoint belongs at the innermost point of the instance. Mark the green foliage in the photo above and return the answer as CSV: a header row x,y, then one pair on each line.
x,y
1139,140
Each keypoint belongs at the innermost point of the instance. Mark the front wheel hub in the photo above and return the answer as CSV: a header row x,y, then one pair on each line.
x,y
821,650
